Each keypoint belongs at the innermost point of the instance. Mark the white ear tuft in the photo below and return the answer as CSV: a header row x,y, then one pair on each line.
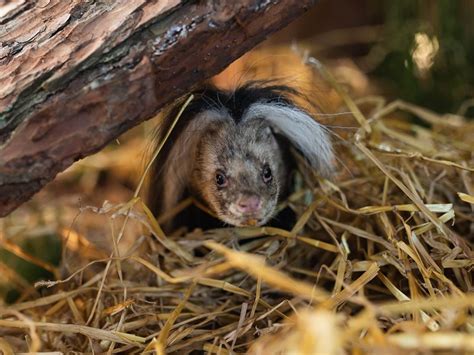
x,y
307,135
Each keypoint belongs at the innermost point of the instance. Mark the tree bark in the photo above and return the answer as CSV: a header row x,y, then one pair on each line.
x,y
76,74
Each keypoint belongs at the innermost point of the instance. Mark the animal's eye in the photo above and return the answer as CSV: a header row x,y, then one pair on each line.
x,y
267,174
221,179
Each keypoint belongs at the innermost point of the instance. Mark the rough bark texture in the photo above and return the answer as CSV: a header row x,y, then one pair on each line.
x,y
76,74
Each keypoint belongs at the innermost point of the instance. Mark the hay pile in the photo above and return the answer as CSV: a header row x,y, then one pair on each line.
x,y
379,261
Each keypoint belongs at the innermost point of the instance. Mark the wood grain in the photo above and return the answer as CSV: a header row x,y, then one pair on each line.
x,y
74,75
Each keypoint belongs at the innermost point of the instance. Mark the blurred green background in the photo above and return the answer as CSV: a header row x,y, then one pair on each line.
x,y
430,52
420,51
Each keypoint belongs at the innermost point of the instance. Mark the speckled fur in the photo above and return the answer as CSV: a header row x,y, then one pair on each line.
x,y
241,150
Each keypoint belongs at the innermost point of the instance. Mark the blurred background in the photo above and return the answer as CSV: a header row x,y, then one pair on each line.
x,y
421,51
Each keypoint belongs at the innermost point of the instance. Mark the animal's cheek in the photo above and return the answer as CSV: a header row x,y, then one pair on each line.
x,y
210,195
273,189
220,200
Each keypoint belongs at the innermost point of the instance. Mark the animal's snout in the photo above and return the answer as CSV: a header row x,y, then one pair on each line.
x,y
248,204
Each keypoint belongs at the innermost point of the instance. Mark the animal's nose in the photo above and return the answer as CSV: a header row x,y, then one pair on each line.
x,y
248,204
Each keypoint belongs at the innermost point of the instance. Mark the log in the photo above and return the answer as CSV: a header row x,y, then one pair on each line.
x,y
74,75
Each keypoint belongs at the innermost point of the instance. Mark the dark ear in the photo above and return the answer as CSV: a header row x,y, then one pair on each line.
x,y
303,132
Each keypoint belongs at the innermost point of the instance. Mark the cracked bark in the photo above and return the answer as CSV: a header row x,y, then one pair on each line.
x,y
74,75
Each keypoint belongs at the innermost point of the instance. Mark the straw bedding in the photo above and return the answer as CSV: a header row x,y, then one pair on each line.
x,y
379,261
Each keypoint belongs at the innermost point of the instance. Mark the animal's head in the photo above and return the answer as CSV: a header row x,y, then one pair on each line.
x,y
240,171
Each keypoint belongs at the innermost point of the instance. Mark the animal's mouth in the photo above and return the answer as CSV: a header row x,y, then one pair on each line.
x,y
251,222
244,221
